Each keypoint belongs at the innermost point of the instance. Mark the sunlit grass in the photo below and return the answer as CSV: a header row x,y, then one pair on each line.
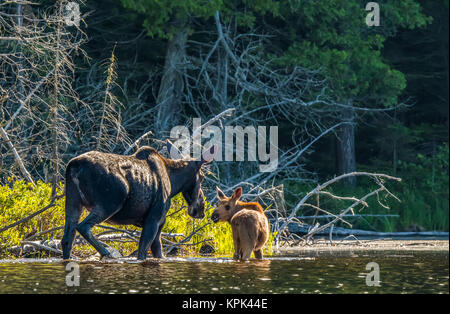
x,y
19,199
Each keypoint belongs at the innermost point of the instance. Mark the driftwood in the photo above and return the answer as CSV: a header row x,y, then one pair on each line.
x,y
43,247
342,232
352,216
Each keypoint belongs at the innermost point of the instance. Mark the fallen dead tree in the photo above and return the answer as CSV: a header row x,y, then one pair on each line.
x,y
30,248
304,229
283,223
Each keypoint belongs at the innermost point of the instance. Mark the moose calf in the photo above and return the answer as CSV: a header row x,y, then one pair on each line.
x,y
248,222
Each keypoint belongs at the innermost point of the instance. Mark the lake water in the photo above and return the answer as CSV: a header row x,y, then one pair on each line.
x,y
406,272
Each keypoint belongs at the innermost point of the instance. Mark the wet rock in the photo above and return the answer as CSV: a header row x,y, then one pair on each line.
x,y
54,244
173,252
415,228
114,254
207,249
30,250
133,254
23,250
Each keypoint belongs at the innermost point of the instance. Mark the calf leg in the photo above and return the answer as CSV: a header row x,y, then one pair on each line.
x,y
246,252
247,241
258,254
97,216
237,246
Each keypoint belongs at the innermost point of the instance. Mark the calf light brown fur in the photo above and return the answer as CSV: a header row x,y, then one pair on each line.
x,y
248,222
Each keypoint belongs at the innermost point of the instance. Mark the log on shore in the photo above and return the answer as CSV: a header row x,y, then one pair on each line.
x,y
302,229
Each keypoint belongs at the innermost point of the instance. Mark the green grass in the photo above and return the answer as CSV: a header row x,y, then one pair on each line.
x,y
19,199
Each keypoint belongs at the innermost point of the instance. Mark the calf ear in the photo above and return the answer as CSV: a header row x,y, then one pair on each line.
x,y
237,194
220,195
173,151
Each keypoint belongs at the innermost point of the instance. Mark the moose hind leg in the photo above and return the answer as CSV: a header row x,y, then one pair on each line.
x,y
84,228
73,212
69,231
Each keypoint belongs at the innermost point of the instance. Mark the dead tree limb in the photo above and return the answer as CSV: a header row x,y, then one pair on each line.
x,y
136,143
34,236
378,178
43,247
19,161
52,203
186,239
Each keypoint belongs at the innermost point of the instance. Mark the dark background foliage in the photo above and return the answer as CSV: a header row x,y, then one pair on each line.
x,y
392,83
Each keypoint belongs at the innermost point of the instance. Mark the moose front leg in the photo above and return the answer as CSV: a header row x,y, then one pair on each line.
x,y
156,246
147,236
152,228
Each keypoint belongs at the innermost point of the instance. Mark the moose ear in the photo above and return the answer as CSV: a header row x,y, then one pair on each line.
x,y
209,155
174,152
237,194
220,194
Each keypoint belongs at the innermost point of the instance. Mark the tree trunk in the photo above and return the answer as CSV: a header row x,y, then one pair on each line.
x,y
20,71
171,88
54,110
222,78
346,161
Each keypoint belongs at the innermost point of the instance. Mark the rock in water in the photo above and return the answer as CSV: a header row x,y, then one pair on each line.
x,y
207,249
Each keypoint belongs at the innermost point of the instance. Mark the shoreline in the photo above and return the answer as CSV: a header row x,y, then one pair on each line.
x,y
321,247
378,245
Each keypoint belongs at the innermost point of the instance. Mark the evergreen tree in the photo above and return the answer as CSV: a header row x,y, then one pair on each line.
x,y
333,36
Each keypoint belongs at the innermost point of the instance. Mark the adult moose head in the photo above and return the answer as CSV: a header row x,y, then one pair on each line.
x,y
134,190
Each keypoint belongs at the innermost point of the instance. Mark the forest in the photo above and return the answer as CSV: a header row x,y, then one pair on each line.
x,y
362,103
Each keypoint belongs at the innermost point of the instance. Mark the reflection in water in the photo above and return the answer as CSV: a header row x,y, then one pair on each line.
x,y
418,272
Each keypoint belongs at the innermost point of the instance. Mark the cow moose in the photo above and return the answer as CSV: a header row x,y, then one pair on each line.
x,y
130,190
248,222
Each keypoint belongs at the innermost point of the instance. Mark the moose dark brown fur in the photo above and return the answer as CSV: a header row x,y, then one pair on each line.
x,y
132,190
248,222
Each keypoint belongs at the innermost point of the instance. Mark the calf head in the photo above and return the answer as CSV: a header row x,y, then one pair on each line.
x,y
226,207
192,189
